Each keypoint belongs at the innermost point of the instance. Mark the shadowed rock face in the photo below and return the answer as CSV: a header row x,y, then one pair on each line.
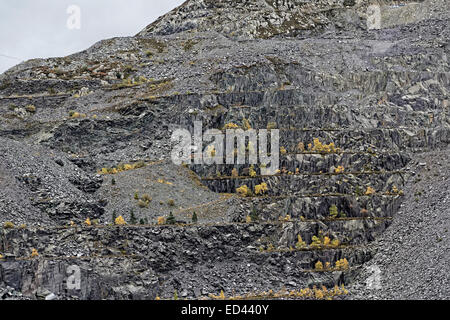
x,y
310,69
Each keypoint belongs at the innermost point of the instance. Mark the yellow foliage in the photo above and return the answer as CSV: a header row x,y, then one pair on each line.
x,y
261,188
326,241
370,191
211,151
322,148
300,243
335,243
252,172
319,265
339,169
395,190
234,173
1,256
248,219
243,191
146,198
161,220
30,108
283,150
120,221
342,264
88,222
316,242
8,225
246,124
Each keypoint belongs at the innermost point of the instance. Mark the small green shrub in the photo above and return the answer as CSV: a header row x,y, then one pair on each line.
x,y
171,219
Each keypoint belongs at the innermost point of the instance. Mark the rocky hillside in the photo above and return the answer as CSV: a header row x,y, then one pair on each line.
x,y
87,138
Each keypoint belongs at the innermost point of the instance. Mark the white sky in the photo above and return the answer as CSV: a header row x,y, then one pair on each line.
x,y
38,28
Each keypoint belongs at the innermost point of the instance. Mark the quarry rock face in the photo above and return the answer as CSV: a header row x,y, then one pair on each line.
x,y
356,90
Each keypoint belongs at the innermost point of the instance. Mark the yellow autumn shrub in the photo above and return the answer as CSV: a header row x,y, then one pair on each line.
x,y
161,220
34,253
319,265
120,221
370,191
261,188
339,169
231,125
342,264
243,191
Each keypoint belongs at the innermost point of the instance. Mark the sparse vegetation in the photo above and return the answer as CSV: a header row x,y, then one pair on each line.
x,y
342,264
142,204
76,115
261,188
8,225
307,293
334,212
231,125
122,168
244,191
30,108
171,219
120,221
322,148
370,191
251,171
146,198
339,169
34,253
161,221
318,265
189,44
300,243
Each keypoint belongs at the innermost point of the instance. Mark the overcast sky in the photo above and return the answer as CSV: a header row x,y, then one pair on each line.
x,y
39,28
